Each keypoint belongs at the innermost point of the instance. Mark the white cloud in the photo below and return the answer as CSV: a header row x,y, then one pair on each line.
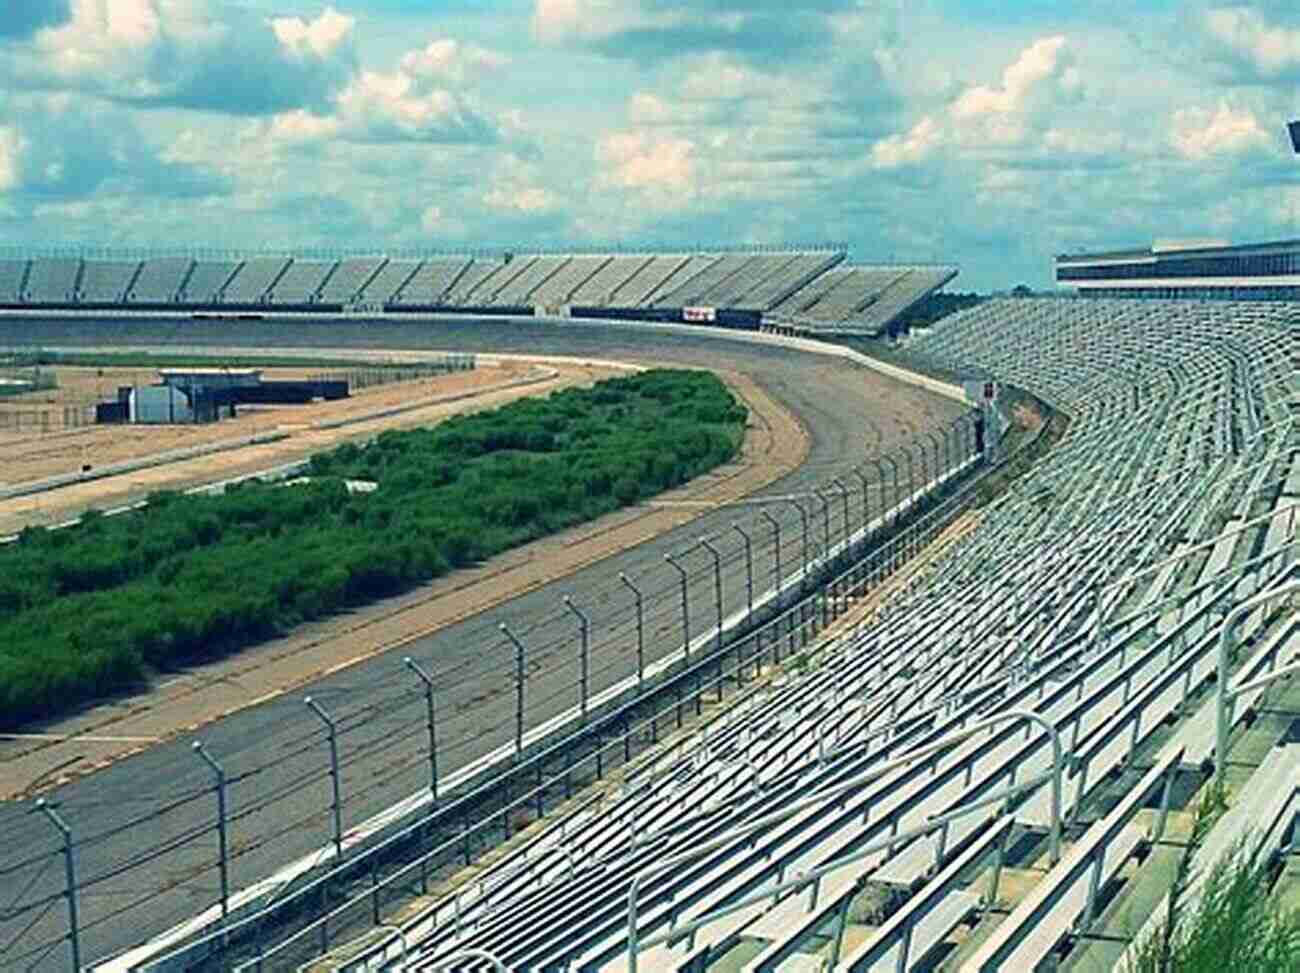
x,y
520,199
320,38
911,148
11,147
189,54
1271,49
1044,68
642,160
1198,133
452,62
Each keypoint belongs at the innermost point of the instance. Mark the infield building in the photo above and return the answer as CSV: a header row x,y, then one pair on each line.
x,y
1202,269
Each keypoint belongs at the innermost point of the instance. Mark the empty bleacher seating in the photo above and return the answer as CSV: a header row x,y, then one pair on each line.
x,y
349,279
107,281
160,280
53,280
255,279
207,279
301,281
13,274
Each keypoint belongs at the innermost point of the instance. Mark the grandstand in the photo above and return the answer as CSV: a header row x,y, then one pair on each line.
x,y
390,282
601,289
1050,675
472,287
519,290
254,280
429,284
301,282
349,279
160,280
559,289
107,281
639,289
1191,269
13,275
207,280
53,280
796,291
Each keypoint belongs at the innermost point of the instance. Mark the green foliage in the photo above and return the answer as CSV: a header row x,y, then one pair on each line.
x,y
1236,925
87,611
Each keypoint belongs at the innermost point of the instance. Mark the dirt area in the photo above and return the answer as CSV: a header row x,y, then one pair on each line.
x,y
775,444
31,453
305,428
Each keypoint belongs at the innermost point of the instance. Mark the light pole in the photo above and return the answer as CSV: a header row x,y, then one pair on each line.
x,y
640,629
432,725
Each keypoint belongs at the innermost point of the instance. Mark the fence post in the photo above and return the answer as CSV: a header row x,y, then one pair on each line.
x,y
749,573
776,552
826,523
224,863
686,614
332,736
520,675
70,878
717,586
640,631
584,626
866,510
433,731
803,516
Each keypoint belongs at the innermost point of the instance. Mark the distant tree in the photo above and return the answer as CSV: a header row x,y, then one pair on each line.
x,y
1022,290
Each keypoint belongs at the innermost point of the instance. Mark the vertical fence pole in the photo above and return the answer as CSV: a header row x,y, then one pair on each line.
x,y
640,630
70,878
432,725
219,774
844,496
776,552
749,573
717,586
686,612
803,517
866,493
520,676
584,629
332,736
826,523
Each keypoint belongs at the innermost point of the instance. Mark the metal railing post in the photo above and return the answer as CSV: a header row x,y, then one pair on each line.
x,y
1221,693
640,629
749,572
69,877
222,848
432,725
521,676
332,735
717,586
686,608
584,627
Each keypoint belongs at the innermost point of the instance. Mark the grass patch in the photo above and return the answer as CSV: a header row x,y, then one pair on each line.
x,y
1235,926
89,610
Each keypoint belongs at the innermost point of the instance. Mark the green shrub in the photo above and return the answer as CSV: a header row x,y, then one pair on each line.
x,y
86,611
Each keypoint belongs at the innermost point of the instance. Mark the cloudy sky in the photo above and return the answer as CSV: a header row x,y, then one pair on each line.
x,y
992,133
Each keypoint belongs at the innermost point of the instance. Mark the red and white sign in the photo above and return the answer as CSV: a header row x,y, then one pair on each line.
x,y
699,314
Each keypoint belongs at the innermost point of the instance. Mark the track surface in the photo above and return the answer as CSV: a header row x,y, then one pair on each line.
x,y
846,409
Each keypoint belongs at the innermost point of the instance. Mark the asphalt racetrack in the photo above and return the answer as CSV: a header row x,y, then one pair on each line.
x,y
143,879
